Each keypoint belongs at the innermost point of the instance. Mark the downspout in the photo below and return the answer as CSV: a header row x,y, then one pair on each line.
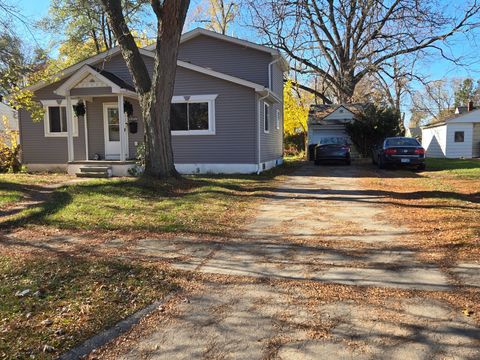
x,y
259,130
270,72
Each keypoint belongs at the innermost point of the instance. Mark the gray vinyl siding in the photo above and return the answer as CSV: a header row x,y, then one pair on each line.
x,y
277,79
234,140
116,65
38,149
271,143
476,140
228,58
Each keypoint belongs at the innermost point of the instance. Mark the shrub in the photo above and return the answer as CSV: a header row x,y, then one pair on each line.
x,y
372,126
9,149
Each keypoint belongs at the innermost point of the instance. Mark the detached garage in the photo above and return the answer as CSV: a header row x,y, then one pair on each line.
x,y
326,123
457,137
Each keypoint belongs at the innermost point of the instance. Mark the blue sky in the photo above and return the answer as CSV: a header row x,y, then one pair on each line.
x,y
436,67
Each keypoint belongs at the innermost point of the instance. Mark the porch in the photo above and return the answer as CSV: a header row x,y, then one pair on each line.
x,y
100,137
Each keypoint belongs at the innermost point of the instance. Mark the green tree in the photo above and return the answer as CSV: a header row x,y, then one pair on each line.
x,y
296,106
372,126
466,91
85,27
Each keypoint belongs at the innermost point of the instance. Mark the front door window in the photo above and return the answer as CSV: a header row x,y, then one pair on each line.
x,y
113,124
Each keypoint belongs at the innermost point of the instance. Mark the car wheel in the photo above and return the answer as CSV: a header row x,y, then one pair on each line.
x,y
380,163
317,162
373,160
348,162
421,167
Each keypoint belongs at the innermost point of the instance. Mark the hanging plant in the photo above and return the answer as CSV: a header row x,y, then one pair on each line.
x,y
79,109
128,107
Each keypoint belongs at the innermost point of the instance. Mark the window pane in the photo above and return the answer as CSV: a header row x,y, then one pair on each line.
x,y
459,136
178,117
198,116
266,117
54,119
113,133
64,118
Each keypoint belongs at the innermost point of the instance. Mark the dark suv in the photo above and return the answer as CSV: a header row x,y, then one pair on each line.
x,y
399,151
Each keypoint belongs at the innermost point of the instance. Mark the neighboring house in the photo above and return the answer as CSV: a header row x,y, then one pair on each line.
x,y
326,123
8,121
456,137
227,110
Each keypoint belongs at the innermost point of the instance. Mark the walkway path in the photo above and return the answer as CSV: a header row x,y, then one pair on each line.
x,y
320,274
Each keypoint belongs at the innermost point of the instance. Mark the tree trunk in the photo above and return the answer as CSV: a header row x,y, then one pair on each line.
x,y
155,94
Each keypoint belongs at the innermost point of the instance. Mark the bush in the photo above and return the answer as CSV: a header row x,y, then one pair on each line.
x,y
9,149
372,126
294,144
9,158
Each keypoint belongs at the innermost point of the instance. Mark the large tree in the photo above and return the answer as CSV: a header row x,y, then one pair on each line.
x,y
216,15
155,93
344,41
85,27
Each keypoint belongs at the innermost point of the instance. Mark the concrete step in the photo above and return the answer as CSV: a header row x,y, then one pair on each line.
x,y
92,171
92,175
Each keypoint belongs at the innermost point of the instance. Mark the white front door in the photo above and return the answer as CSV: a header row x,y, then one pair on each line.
x,y
111,131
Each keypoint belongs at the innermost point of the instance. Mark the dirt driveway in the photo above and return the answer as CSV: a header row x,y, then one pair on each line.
x,y
320,274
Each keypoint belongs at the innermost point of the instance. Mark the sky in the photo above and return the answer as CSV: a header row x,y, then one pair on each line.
x,y
435,68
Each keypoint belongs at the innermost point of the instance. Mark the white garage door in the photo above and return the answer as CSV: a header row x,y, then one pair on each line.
x,y
328,136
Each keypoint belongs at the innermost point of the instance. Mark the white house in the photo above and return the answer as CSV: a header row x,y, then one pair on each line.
x,y
8,118
457,137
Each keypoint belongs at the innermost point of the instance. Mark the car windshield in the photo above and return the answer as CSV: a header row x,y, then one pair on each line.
x,y
401,142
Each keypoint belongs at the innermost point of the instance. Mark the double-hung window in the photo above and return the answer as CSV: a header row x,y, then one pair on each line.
x,y
266,117
55,120
193,115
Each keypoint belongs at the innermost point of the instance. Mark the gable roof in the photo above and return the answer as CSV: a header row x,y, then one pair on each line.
x,y
108,78
147,51
117,84
319,112
470,116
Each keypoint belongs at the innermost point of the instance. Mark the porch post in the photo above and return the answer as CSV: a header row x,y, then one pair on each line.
x,y
69,112
122,127
86,129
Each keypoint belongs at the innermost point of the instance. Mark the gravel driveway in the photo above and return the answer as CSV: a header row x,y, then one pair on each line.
x,y
319,274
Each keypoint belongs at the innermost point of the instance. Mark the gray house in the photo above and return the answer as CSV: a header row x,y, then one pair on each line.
x,y
227,111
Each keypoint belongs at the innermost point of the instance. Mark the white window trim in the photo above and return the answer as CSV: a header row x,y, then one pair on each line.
x,y
278,119
265,104
210,99
46,121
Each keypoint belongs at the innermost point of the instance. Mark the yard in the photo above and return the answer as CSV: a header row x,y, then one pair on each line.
x,y
69,269
52,298
441,206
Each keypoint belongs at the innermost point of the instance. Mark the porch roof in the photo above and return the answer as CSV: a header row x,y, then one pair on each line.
x,y
107,80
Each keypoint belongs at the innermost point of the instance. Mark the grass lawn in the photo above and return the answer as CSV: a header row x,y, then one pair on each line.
x,y
80,294
457,167
441,206
68,300
208,205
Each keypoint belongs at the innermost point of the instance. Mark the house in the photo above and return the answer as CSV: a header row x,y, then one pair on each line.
x,y
8,122
227,110
455,137
326,123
